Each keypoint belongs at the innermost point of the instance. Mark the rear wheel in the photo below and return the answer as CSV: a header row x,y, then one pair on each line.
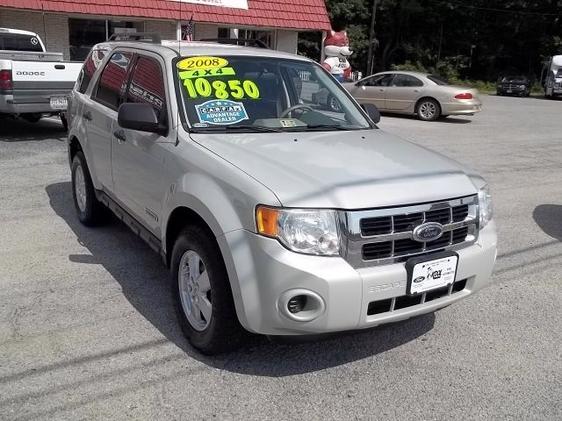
x,y
334,104
90,211
31,118
428,109
202,292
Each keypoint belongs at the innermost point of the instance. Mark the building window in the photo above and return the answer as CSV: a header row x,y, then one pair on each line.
x,y
267,37
85,33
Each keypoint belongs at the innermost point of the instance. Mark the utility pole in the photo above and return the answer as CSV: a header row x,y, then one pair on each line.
x,y
370,55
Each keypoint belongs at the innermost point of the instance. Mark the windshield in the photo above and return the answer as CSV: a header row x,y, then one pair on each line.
x,y
19,42
263,94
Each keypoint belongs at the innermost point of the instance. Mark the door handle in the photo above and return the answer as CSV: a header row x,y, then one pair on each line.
x,y
60,66
87,116
120,135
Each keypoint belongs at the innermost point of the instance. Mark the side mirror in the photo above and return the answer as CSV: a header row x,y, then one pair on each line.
x,y
372,111
141,117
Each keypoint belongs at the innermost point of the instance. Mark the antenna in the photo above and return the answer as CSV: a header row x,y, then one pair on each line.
x,y
44,27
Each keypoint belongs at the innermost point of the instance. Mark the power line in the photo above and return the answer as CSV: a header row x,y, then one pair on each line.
x,y
494,9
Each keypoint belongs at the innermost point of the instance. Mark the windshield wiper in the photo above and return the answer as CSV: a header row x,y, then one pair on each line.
x,y
332,127
255,129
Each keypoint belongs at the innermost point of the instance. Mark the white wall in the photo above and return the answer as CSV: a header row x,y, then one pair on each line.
x,y
287,41
203,31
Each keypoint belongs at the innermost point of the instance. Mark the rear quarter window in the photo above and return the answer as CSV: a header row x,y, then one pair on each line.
x,y
112,80
91,64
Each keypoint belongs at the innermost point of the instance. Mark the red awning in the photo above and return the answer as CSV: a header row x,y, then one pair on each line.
x,y
293,14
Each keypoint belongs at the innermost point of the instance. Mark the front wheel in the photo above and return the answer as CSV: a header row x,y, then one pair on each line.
x,y
428,110
202,293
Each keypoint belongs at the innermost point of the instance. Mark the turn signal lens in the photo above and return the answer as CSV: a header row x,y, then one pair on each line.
x,y
465,95
267,219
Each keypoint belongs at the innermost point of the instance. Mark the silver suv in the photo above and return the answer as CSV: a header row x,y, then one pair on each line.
x,y
275,214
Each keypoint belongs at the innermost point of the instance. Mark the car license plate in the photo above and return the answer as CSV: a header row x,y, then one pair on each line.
x,y
426,275
509,91
59,103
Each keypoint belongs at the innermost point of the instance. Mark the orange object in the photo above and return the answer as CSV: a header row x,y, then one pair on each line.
x,y
266,219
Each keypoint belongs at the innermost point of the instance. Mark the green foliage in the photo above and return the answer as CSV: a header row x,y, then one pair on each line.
x,y
461,40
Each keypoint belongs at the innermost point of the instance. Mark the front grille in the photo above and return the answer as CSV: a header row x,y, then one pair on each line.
x,y
405,301
383,236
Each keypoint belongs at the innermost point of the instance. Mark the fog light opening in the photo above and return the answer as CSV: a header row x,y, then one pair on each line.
x,y
301,305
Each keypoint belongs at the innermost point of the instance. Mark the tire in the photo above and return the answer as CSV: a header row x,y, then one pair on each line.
x,y
31,118
428,109
333,104
89,210
204,302
64,121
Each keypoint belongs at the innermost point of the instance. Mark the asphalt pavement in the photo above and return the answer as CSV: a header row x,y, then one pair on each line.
x,y
88,330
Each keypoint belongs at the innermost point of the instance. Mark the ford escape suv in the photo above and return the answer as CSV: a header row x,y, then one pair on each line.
x,y
274,215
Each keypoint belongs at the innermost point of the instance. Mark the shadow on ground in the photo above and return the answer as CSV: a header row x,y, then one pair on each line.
x,y
146,284
17,130
549,219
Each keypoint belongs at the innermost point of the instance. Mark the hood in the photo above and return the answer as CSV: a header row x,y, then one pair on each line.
x,y
343,170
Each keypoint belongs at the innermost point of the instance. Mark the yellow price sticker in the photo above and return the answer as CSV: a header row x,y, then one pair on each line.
x,y
202,63
194,74
234,88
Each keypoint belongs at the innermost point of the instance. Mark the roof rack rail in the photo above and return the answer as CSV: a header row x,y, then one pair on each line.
x,y
238,41
151,37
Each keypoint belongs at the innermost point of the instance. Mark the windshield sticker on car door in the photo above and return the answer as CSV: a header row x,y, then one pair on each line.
x,y
221,113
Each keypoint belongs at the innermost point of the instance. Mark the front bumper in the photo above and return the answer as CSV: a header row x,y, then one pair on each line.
x,y
263,273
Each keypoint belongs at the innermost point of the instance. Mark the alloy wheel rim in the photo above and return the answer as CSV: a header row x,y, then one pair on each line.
x,y
80,188
334,104
428,109
195,290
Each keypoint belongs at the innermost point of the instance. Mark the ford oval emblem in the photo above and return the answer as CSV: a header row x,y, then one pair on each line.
x,y
419,279
430,231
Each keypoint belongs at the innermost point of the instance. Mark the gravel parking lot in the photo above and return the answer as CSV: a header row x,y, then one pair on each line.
x,y
88,330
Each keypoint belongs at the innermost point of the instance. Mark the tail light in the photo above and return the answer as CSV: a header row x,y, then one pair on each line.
x,y
6,80
465,95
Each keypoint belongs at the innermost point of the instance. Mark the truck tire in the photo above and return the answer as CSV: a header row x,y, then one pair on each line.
x,y
31,118
202,293
89,210
64,121
428,109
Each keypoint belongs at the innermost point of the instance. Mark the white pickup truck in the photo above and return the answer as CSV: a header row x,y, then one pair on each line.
x,y
33,82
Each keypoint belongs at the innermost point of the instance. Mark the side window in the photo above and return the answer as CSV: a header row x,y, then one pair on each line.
x,y
147,86
91,64
406,81
383,80
112,80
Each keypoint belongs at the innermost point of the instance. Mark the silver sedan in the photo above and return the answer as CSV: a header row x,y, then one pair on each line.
x,y
427,96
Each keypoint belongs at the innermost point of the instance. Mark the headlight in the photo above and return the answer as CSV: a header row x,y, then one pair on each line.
x,y
522,86
485,205
305,231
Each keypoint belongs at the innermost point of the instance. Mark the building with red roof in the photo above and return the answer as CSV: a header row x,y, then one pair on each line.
x,y
74,26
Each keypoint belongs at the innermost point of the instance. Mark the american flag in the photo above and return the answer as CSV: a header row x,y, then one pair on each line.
x,y
188,30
